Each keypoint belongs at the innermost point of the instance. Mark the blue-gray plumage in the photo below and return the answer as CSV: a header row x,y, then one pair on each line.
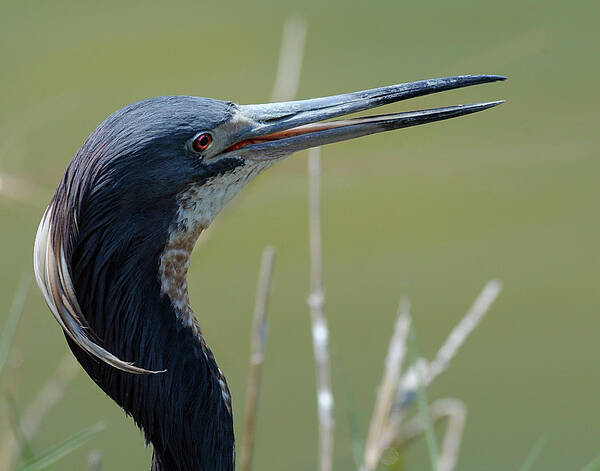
x,y
113,247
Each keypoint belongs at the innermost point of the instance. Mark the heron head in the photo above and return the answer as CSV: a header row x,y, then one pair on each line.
x,y
155,173
151,151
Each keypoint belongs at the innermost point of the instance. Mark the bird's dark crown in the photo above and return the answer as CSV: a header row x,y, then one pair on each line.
x,y
144,148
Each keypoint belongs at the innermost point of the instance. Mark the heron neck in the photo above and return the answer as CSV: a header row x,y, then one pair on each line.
x,y
173,268
184,411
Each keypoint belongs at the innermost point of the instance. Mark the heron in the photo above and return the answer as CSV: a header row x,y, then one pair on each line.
x,y
113,247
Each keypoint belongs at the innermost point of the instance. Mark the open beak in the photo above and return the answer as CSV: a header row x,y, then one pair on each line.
x,y
273,130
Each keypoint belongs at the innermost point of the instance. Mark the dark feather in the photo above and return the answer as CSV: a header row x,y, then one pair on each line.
x,y
111,215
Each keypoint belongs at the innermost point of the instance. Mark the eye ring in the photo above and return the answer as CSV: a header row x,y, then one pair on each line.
x,y
201,141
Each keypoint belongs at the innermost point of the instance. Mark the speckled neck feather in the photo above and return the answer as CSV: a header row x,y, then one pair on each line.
x,y
197,207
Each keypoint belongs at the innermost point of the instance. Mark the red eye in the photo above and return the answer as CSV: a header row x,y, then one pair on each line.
x,y
201,142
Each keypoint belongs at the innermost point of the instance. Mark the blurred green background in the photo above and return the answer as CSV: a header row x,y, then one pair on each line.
x,y
434,211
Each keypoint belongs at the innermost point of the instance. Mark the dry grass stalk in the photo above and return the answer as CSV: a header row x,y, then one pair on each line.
x,y
429,371
396,353
285,87
257,354
320,331
460,333
290,60
454,410
387,427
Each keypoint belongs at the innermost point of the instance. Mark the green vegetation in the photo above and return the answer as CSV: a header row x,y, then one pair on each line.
x,y
56,453
533,455
423,404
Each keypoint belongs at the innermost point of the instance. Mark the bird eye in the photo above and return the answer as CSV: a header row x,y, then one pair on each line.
x,y
201,142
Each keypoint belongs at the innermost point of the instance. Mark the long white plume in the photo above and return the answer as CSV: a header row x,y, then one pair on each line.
x,y
54,279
